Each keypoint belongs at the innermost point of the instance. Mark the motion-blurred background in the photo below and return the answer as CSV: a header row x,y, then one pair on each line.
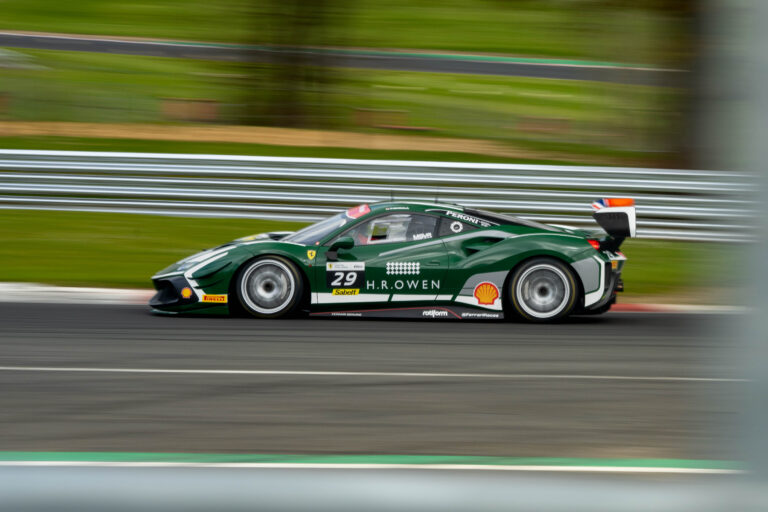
x,y
565,100
575,82
630,110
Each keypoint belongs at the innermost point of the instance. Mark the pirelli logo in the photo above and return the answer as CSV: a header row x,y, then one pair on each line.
x,y
346,291
216,299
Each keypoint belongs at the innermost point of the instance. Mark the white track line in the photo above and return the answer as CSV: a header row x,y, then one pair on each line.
x,y
442,467
367,374
40,293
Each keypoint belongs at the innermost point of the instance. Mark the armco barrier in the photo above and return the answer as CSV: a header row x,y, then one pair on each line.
x,y
674,204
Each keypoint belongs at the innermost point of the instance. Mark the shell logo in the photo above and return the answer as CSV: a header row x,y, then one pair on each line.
x,y
186,292
486,293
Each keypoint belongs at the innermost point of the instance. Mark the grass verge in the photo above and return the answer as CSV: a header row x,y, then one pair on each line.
x,y
561,118
89,249
124,250
45,142
552,28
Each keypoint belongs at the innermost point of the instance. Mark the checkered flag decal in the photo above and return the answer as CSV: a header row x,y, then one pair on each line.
x,y
403,268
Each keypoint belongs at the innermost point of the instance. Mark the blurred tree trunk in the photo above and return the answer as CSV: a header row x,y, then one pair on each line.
x,y
696,149
290,88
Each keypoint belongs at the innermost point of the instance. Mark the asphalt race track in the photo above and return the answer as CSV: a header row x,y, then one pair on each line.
x,y
621,385
349,59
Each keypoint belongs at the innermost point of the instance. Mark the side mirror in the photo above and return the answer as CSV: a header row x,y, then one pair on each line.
x,y
345,242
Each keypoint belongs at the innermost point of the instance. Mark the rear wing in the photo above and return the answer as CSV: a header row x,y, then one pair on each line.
x,y
617,217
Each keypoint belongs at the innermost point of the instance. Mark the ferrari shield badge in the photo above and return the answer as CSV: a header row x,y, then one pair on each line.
x,y
311,254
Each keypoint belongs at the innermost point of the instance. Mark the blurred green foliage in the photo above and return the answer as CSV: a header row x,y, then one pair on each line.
x,y
297,90
579,117
648,32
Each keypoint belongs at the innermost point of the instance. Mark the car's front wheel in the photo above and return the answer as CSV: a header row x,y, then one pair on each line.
x,y
543,290
269,287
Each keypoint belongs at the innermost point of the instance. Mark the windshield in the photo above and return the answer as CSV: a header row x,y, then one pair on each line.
x,y
312,235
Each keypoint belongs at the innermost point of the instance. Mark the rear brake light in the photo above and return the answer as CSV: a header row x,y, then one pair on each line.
x,y
595,244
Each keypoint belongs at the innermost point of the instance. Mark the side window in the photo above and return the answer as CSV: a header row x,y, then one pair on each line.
x,y
454,227
398,227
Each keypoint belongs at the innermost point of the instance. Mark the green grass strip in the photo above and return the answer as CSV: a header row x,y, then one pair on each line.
x,y
364,459
122,250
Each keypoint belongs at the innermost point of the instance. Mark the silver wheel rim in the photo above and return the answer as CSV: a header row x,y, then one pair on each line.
x,y
543,291
267,286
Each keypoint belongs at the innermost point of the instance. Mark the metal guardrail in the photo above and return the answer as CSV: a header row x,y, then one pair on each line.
x,y
127,489
673,204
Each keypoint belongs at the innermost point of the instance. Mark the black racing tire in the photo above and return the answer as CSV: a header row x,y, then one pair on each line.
x,y
542,290
269,287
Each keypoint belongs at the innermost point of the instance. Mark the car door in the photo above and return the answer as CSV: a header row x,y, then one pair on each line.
x,y
475,279
396,258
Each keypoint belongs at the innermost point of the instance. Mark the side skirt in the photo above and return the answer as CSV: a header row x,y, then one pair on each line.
x,y
422,312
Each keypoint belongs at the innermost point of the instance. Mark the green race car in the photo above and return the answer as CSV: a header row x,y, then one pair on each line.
x,y
411,260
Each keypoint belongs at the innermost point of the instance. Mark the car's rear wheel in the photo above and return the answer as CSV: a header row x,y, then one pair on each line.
x,y
270,287
543,290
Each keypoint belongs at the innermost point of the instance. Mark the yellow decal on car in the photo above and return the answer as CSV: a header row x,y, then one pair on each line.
x,y
346,291
311,254
218,299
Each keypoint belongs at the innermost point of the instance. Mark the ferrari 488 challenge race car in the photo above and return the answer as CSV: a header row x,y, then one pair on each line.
x,y
412,260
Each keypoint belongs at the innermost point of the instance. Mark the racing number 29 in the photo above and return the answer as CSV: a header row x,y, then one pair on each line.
x,y
345,274
343,278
